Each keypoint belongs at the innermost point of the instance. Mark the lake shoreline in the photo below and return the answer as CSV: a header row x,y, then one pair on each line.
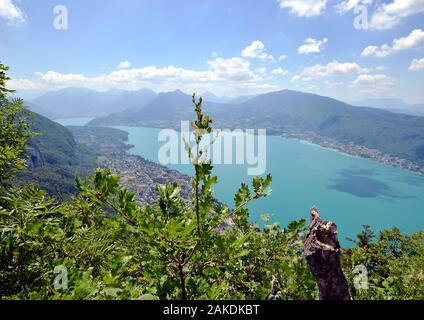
x,y
357,151
349,149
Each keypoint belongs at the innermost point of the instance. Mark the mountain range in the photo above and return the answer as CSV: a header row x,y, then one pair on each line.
x,y
290,111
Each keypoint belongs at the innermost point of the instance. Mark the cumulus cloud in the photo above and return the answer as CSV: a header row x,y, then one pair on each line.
x,y
279,72
282,57
312,45
124,64
391,14
414,39
27,85
10,12
379,52
334,68
225,76
57,78
304,8
261,70
233,68
256,50
417,65
372,79
232,76
371,84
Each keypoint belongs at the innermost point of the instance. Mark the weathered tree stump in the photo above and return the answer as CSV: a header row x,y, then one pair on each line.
x,y
322,252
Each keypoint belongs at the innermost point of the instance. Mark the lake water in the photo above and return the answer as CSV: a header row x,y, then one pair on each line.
x,y
350,191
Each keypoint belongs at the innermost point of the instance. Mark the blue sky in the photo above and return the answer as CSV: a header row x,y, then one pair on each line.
x,y
231,47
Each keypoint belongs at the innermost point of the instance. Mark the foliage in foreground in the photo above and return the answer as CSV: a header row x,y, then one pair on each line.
x,y
101,245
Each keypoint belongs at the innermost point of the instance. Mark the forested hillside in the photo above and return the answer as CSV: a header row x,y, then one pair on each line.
x,y
55,159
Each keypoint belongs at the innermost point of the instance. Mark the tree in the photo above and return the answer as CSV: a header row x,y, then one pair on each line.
x,y
14,132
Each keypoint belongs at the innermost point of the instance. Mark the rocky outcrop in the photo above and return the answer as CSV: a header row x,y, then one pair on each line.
x,y
35,157
322,252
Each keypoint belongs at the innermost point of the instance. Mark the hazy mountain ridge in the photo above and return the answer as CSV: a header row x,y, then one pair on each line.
x,y
210,96
167,107
392,104
83,102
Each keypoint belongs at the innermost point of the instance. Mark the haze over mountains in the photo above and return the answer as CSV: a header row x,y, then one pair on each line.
x,y
74,102
83,102
392,104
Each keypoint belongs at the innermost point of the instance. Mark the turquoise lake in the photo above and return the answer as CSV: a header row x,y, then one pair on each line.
x,y
348,190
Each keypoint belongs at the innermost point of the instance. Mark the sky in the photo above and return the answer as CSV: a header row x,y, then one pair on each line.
x,y
346,49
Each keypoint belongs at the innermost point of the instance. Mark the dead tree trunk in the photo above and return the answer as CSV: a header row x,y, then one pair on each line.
x,y
322,252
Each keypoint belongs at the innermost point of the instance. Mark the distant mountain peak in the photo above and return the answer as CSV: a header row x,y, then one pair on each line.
x,y
174,93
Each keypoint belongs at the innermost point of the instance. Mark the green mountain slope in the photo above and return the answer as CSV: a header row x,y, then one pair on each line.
x,y
55,159
397,134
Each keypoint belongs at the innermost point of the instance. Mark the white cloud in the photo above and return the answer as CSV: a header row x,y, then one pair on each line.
x,y
334,68
417,65
279,72
391,14
348,5
282,57
256,50
372,79
414,39
371,84
27,85
10,12
233,68
304,8
60,78
124,64
261,70
232,76
312,46
225,76
379,52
